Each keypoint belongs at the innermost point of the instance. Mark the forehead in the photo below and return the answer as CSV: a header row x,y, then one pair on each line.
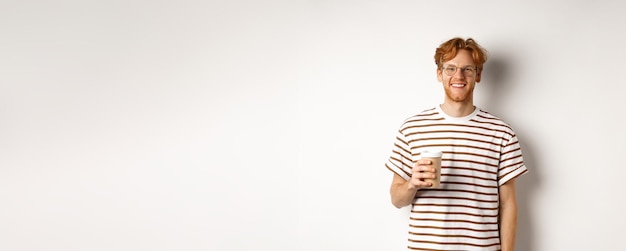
x,y
463,57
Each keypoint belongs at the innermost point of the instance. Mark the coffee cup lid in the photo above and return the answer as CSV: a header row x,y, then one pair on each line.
x,y
431,154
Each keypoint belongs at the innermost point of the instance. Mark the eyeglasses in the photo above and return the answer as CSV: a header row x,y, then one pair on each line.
x,y
468,71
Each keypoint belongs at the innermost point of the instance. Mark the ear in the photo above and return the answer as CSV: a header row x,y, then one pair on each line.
x,y
478,75
439,76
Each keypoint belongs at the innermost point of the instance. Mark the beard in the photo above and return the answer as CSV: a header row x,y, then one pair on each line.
x,y
461,96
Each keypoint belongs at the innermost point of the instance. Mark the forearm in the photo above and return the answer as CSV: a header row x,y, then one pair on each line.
x,y
403,191
508,226
402,195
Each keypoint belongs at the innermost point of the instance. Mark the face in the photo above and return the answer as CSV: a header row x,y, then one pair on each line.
x,y
459,87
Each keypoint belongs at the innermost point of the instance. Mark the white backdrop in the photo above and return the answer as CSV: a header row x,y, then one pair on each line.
x,y
265,125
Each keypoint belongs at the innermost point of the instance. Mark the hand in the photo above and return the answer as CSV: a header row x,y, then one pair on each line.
x,y
421,171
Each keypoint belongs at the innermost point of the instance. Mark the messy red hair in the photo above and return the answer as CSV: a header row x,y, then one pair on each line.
x,y
450,48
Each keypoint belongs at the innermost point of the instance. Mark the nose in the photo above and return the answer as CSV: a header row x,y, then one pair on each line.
x,y
459,74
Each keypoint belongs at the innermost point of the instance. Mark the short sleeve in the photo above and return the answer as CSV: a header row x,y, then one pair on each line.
x,y
401,161
511,161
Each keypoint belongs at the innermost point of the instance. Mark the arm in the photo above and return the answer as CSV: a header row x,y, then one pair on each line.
x,y
403,191
508,216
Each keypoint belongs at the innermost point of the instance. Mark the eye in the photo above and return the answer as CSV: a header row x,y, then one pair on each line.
x,y
450,69
468,69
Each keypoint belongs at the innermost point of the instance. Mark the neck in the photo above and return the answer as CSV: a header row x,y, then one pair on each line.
x,y
457,109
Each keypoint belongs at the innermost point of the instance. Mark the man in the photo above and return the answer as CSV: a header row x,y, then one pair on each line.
x,y
475,207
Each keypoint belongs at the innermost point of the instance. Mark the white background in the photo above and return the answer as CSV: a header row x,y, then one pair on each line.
x,y
265,125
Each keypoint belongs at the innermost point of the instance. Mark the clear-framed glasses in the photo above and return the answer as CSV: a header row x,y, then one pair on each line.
x,y
468,71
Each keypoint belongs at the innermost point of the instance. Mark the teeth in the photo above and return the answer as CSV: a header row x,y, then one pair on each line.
x,y
458,85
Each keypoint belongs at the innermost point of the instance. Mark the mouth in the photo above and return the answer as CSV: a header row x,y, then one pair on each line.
x,y
458,85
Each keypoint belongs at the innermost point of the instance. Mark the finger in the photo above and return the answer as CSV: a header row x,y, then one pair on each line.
x,y
421,169
424,162
421,183
426,175
423,175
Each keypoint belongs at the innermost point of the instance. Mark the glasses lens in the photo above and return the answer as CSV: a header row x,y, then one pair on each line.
x,y
450,70
468,71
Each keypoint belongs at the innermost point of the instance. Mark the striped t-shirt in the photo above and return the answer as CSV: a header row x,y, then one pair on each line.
x,y
480,153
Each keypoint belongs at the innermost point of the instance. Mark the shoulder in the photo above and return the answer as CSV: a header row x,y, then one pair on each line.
x,y
485,118
426,116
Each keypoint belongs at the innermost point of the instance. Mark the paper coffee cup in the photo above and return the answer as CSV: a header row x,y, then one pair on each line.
x,y
435,157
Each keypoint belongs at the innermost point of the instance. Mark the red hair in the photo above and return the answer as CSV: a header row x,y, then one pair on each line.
x,y
450,48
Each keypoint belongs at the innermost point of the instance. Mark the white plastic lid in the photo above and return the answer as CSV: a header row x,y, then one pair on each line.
x,y
431,154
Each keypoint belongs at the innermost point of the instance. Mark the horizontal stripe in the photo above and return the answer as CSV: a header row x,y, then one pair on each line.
x,y
467,176
456,198
495,229
512,151
457,236
460,132
455,166
425,120
516,157
491,121
483,156
402,161
403,148
426,249
398,173
447,220
418,204
423,249
465,191
512,166
468,184
453,213
485,162
483,140
459,243
420,126
493,151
